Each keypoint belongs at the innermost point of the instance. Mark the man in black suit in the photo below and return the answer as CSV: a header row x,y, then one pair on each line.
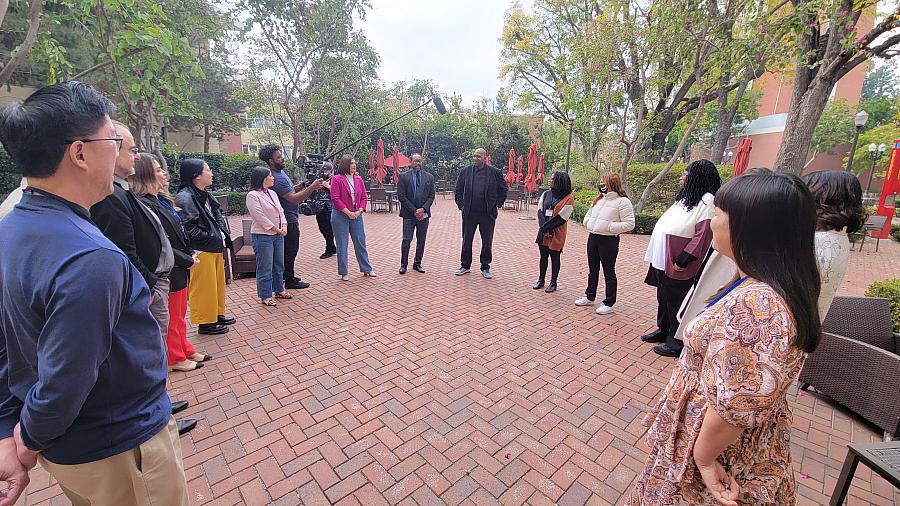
x,y
134,228
415,191
480,191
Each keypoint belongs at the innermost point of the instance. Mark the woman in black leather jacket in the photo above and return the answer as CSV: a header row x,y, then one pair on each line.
x,y
207,233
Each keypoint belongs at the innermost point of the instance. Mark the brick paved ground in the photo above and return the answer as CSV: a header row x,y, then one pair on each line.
x,y
432,389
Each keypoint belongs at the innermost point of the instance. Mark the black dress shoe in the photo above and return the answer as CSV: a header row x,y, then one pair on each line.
x,y
212,329
327,254
551,287
666,351
653,337
402,269
538,284
418,268
225,320
296,285
179,406
185,426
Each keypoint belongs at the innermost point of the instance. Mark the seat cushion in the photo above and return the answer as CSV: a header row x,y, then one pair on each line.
x,y
245,253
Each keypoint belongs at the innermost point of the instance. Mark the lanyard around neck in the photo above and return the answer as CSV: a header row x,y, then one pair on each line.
x,y
726,291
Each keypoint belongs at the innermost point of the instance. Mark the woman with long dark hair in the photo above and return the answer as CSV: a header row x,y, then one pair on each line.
x,y
720,431
150,183
348,199
677,247
208,233
610,215
267,230
554,209
839,211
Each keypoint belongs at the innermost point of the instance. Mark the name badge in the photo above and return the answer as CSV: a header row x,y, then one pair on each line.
x,y
548,212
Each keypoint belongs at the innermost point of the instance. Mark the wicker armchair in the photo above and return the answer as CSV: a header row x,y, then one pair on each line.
x,y
243,259
857,363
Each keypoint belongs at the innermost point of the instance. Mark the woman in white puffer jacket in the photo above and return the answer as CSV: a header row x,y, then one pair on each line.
x,y
610,214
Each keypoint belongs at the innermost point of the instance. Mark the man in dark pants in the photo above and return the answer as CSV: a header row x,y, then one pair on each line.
x,y
323,217
130,226
480,191
415,191
290,197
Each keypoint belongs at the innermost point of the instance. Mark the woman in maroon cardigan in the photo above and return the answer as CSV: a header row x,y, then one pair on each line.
x,y
348,196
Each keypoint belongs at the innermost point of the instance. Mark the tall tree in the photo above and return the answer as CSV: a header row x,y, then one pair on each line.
x,y
829,44
294,42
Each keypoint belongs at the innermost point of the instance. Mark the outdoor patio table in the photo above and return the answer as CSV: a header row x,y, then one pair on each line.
x,y
883,458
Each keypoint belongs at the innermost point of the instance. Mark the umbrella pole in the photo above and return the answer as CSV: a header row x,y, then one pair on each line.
x,y
527,215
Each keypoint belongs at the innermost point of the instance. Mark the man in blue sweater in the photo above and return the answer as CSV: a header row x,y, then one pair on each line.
x,y
82,363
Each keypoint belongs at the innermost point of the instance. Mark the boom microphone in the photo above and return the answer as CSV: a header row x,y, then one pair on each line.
x,y
439,104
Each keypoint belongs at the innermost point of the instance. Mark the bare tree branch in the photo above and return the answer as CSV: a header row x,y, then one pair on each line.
x,y
34,22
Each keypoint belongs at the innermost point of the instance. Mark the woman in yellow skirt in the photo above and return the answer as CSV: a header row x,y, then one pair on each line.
x,y
207,232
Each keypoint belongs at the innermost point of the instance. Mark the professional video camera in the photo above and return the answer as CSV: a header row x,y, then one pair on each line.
x,y
320,200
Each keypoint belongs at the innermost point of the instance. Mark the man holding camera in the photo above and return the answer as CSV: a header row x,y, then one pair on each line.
x,y
415,191
290,196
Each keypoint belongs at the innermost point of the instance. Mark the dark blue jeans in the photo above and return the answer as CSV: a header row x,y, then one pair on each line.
x,y
269,250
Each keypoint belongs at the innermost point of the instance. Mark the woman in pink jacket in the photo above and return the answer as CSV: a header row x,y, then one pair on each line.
x,y
348,196
267,232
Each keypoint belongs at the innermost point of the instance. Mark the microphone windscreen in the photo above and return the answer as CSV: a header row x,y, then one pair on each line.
x,y
439,105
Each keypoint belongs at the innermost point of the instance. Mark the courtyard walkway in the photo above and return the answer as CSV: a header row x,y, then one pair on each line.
x,y
436,389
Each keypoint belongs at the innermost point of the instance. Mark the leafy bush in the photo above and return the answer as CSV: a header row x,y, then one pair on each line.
x,y
230,172
639,175
10,175
895,232
237,202
583,199
890,290
645,222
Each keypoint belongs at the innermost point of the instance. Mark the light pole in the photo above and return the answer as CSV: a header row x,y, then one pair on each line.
x,y
875,153
860,121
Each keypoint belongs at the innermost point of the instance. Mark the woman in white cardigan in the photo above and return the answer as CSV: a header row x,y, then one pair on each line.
x,y
610,214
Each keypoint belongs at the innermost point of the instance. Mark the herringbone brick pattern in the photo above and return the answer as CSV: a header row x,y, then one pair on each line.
x,y
435,389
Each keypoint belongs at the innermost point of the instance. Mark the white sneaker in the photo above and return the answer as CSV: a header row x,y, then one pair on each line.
x,y
584,301
604,309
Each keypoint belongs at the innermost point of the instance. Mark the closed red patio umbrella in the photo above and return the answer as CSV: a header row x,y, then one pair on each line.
x,y
380,173
532,167
395,159
519,175
540,174
742,157
510,172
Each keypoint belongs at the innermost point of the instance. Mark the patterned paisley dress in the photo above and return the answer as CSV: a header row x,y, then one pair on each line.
x,y
738,359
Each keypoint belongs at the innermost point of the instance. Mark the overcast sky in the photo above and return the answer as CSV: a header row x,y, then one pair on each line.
x,y
455,43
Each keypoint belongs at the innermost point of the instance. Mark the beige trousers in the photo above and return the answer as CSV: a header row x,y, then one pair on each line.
x,y
149,474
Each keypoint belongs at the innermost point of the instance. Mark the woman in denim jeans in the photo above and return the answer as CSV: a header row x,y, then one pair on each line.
x,y
267,232
348,198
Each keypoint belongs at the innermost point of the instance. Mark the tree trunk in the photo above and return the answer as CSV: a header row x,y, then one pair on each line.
x,y
675,156
802,118
724,121
206,138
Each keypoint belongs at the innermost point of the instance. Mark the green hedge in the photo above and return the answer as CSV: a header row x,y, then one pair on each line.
x,y
230,172
10,175
895,232
237,202
890,290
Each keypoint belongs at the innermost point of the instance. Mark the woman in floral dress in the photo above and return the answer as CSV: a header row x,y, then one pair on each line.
x,y
721,431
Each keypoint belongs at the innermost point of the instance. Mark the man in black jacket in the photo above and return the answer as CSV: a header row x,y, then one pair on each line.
x,y
480,191
415,191
137,231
